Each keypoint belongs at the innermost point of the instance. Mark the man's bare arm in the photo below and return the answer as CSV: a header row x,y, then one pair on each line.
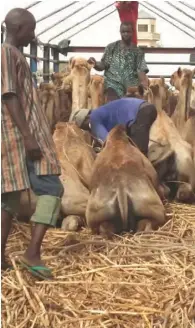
x,y
99,66
143,79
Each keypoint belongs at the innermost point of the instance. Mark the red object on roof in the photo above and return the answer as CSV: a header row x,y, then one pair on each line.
x,y
128,12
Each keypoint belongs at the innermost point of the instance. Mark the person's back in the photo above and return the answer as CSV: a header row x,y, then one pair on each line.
x,y
121,111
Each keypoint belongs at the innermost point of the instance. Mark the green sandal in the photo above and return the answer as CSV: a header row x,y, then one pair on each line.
x,y
40,272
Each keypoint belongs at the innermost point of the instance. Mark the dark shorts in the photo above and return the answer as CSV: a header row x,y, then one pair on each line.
x,y
47,188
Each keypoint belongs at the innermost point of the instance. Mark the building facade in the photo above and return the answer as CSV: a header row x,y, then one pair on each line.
x,y
146,29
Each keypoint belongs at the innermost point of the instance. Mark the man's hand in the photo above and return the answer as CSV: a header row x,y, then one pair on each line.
x,y
92,61
33,151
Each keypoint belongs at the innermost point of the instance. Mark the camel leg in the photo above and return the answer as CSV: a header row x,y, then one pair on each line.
x,y
144,225
185,194
107,229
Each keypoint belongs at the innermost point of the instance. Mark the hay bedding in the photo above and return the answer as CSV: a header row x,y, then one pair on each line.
x,y
144,281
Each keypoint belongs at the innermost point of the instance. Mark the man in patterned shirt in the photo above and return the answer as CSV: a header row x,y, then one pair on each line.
x,y
28,158
123,63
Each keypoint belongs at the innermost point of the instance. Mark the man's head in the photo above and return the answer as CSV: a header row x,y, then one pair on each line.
x,y
20,26
126,31
81,118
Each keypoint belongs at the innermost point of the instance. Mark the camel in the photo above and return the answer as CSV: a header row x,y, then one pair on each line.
x,y
125,194
184,117
58,77
135,92
55,103
96,91
166,141
76,158
78,81
182,81
192,100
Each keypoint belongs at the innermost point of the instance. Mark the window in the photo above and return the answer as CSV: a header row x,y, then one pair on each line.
x,y
142,28
152,28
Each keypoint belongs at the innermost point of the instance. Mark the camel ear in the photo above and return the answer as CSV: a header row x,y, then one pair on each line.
x,y
71,62
179,72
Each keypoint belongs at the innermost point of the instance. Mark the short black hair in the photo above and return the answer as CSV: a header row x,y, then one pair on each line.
x,y
127,23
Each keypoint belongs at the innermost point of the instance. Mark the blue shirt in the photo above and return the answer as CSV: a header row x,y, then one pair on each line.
x,y
106,117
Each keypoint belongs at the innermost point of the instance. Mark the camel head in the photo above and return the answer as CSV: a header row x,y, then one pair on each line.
x,y
182,78
57,78
78,64
135,92
158,93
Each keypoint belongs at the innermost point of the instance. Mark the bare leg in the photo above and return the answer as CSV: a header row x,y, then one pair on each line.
x,y
33,252
6,222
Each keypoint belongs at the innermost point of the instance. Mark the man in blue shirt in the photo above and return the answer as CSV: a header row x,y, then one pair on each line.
x,y
136,114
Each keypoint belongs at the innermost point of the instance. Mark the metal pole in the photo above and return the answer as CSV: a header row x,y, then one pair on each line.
x,y
56,57
84,20
33,62
187,5
46,54
170,16
181,11
55,12
167,20
147,50
75,12
53,25
32,4
86,27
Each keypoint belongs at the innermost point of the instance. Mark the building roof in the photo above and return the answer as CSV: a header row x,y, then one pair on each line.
x,y
145,15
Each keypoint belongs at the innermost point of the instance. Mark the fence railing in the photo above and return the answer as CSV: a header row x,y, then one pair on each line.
x,y
52,52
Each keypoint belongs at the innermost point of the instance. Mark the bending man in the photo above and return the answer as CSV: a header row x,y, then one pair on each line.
x,y
136,114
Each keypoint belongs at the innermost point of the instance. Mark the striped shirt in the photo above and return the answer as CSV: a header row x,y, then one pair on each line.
x,y
16,78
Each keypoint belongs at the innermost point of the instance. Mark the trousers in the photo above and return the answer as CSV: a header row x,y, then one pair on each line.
x,y
49,191
139,131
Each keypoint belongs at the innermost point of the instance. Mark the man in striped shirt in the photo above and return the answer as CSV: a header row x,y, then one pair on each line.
x,y
28,152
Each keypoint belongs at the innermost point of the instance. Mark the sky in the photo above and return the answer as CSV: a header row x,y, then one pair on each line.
x,y
107,30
